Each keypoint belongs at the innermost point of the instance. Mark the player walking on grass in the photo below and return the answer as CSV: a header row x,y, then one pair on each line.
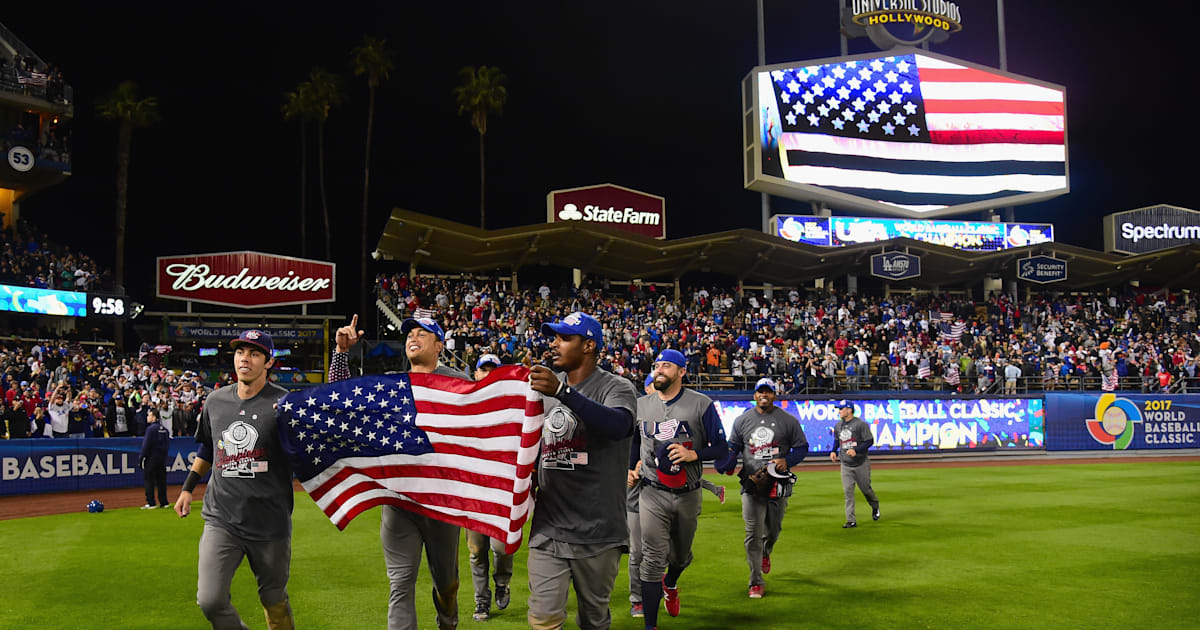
x,y
770,438
248,504
851,439
579,529
677,430
402,532
481,545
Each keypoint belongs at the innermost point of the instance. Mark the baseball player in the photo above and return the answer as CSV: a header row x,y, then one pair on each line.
x,y
248,504
479,544
851,439
766,437
578,533
403,533
678,429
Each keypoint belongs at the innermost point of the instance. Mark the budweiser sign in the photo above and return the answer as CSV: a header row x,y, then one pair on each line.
x,y
245,279
611,205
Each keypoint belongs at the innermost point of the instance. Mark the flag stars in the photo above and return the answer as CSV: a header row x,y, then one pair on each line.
x,y
864,74
903,66
877,65
404,400
379,424
791,118
808,98
906,87
914,130
406,434
384,440
889,129
408,417
347,403
847,114
357,391
333,396
371,435
814,120
818,90
891,76
885,107
839,72
785,97
309,448
896,98
828,82
910,108
798,107
357,431
344,427
391,393
794,87
311,401
823,110
879,86
854,83
873,116
777,75
420,440
391,428
287,406
863,127
370,397
869,95
833,103
294,422
858,104
838,124
401,385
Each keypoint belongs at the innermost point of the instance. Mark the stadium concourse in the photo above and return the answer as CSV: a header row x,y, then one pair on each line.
x,y
1095,332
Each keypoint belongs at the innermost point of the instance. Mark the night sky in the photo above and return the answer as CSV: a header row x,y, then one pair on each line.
x,y
641,94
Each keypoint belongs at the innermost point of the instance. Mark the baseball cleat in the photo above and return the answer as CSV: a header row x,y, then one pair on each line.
x,y
482,612
756,592
849,524
148,507
635,610
721,494
503,596
766,564
875,512
671,599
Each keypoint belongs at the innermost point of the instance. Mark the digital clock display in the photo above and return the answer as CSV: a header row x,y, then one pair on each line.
x,y
108,306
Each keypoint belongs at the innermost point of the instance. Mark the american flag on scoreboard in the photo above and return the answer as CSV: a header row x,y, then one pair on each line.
x,y
918,132
458,451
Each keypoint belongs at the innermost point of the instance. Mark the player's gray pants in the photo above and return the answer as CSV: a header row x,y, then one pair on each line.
x,y
403,533
635,556
860,475
550,577
668,528
220,554
764,522
482,548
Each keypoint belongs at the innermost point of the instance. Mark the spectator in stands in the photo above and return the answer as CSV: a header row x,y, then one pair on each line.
x,y
59,410
119,417
16,420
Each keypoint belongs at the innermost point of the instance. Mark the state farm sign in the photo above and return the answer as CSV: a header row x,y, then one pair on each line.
x,y
245,279
613,206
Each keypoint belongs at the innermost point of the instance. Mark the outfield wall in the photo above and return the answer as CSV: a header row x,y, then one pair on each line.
x,y
56,465
1108,422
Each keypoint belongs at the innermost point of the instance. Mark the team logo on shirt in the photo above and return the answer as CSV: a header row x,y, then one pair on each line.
x,y
762,443
561,448
845,435
240,458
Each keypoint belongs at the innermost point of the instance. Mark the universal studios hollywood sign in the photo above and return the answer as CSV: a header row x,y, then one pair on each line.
x,y
931,13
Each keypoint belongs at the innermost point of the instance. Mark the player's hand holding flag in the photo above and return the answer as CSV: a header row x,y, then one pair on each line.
x,y
458,451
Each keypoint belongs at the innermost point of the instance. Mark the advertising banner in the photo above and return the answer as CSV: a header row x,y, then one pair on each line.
x,y
224,334
902,425
43,301
1118,422
611,206
1042,269
245,279
976,236
895,266
61,464
1150,229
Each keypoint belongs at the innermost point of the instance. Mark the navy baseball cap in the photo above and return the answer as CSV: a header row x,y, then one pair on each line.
x,y
256,338
765,382
576,323
669,474
424,322
672,356
486,359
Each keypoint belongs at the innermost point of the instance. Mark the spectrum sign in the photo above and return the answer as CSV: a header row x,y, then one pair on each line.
x,y
609,205
978,236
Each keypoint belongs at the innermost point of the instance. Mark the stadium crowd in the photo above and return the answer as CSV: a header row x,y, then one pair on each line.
x,y
31,77
827,342
59,388
29,258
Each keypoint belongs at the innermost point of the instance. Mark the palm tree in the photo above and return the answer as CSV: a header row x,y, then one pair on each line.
x,y
481,92
326,91
298,107
373,59
124,106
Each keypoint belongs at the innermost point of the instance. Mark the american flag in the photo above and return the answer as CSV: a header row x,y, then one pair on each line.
x,y
1108,380
923,369
31,78
952,331
418,313
458,451
918,132
952,373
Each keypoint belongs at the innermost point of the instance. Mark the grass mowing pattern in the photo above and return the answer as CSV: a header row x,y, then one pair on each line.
x,y
1059,546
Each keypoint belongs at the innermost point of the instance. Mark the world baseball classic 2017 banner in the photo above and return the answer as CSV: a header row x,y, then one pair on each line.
x,y
1109,422
923,424
56,465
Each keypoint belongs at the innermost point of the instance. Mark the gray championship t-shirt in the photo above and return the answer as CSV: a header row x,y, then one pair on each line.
x,y
762,437
250,492
856,435
581,499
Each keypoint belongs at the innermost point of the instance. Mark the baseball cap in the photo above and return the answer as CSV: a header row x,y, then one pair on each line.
x,y
669,474
424,322
576,323
843,404
486,359
649,380
672,356
257,338
765,382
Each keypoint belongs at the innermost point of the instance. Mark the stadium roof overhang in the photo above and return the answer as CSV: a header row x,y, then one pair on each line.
x,y
746,255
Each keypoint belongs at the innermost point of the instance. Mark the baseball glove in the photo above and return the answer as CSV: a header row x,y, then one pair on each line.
x,y
758,484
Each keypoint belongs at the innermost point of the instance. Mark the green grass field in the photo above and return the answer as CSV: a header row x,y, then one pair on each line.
x,y
1059,546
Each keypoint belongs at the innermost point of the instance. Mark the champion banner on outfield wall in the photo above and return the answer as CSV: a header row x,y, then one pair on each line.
x,y
926,424
1118,422
61,464
245,279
